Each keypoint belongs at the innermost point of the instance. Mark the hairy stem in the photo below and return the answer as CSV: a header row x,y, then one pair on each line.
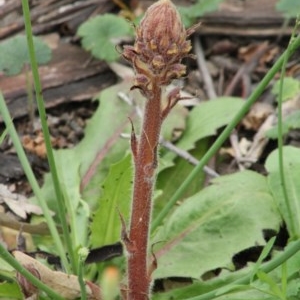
x,y
144,179
161,43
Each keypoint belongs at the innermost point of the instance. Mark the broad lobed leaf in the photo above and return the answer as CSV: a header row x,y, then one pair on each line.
x,y
210,227
206,118
291,88
14,54
101,34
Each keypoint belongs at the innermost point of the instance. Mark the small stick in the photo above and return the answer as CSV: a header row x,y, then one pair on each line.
x,y
246,68
204,70
187,156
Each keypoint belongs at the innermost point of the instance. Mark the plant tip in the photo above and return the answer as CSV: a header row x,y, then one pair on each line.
x,y
161,43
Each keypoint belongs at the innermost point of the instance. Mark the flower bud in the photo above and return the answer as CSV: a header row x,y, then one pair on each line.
x,y
162,27
161,43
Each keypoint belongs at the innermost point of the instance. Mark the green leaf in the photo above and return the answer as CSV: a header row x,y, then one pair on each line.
x,y
226,291
224,285
292,121
293,291
101,34
206,118
14,54
190,13
249,294
272,285
289,273
210,227
291,88
106,225
197,288
10,291
5,268
291,8
292,174
204,121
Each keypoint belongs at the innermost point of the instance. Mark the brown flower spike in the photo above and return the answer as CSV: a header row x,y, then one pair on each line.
x,y
159,47
156,57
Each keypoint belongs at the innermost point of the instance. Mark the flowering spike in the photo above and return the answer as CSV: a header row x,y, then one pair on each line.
x,y
161,43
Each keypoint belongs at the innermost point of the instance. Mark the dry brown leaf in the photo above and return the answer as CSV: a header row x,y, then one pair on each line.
x,y
36,143
257,115
293,70
260,140
11,238
246,53
65,285
289,107
28,289
17,203
250,151
223,46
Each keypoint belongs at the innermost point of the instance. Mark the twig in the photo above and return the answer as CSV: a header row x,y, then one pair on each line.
x,y
246,68
187,156
203,68
236,147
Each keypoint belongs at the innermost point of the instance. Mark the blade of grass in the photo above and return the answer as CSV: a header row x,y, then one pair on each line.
x,y
82,255
294,234
3,135
284,278
31,178
226,132
50,156
266,251
34,280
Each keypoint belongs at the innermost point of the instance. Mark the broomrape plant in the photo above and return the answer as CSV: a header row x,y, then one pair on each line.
x,y
161,44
